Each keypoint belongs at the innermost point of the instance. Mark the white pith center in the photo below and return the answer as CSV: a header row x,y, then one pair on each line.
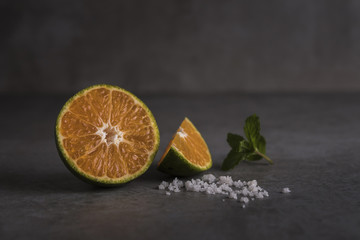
x,y
182,133
110,135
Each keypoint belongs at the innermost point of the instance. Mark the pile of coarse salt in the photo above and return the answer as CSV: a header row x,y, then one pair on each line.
x,y
239,190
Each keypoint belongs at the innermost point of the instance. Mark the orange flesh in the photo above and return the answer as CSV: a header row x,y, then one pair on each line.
x,y
106,133
189,142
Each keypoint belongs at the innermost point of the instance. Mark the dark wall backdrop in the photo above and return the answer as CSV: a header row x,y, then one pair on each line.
x,y
180,46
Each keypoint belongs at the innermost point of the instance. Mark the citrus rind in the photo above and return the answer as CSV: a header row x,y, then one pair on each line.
x,y
103,181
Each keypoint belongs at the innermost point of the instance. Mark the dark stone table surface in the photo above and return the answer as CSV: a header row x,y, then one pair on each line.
x,y
313,139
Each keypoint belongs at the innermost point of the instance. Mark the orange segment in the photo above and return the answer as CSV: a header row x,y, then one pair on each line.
x,y
72,125
79,146
143,138
94,162
83,110
107,135
189,142
116,166
121,104
100,101
137,159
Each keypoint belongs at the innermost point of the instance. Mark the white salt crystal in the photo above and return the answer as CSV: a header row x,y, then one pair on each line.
x,y
233,195
208,178
238,184
177,183
163,185
253,188
217,190
252,183
244,199
224,185
286,190
225,179
210,190
245,191
197,188
188,185
259,195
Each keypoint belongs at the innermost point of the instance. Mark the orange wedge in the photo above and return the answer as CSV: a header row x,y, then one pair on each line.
x,y
107,136
187,153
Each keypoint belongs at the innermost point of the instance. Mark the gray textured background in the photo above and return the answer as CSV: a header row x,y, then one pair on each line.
x,y
235,49
180,46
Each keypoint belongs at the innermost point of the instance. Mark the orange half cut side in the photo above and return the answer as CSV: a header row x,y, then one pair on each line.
x,y
105,135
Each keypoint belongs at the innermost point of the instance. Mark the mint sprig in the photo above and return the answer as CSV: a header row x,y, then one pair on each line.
x,y
253,148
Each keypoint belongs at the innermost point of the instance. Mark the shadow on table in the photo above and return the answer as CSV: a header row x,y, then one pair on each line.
x,y
23,179
55,181
45,182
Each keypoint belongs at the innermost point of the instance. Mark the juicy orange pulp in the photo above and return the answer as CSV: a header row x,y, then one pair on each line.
x,y
190,144
107,133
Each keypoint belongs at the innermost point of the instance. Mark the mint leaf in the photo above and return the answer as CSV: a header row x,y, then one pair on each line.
x,y
252,129
233,140
232,159
245,147
253,157
261,144
251,149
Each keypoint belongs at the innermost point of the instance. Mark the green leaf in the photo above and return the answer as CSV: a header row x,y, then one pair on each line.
x,y
252,149
231,160
234,140
253,157
252,128
245,147
261,144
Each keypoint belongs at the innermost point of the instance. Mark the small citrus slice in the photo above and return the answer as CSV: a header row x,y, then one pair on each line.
x,y
107,136
187,153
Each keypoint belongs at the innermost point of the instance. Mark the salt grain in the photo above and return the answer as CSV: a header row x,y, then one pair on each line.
x,y
286,190
233,195
163,185
239,190
259,195
225,179
244,199
238,184
208,178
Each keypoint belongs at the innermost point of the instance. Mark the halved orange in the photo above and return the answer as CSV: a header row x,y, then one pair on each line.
x,y
107,136
187,153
